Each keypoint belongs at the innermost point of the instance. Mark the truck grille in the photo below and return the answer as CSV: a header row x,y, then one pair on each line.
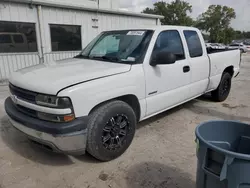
x,y
26,111
24,94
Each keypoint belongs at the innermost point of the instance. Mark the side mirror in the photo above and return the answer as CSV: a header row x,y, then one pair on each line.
x,y
163,58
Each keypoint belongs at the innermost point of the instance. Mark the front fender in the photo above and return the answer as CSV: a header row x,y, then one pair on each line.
x,y
87,95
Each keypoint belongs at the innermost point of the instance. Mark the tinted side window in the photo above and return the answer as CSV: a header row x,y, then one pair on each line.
x,y
26,31
5,39
65,37
18,39
171,42
194,43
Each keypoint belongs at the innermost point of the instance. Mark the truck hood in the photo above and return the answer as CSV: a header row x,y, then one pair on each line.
x,y
51,77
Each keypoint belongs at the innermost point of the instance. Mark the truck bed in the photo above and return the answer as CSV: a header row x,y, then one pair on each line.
x,y
211,50
219,60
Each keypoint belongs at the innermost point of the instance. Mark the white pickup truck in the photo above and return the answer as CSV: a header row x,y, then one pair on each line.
x,y
93,101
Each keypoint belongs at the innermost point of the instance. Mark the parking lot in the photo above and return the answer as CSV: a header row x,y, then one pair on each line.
x,y
162,154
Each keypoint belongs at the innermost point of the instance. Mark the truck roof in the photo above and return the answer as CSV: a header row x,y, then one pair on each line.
x,y
160,27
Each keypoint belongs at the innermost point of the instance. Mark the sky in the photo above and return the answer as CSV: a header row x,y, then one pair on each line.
x,y
242,9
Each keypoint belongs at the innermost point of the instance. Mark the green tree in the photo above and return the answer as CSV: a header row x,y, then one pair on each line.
x,y
246,35
216,21
238,35
206,37
175,13
229,35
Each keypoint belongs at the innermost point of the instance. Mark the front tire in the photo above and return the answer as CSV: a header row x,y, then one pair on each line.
x,y
223,90
111,130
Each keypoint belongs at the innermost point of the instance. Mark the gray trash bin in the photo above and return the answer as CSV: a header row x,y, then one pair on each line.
x,y
223,152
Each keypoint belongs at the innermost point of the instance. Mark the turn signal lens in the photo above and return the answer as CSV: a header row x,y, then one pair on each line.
x,y
68,118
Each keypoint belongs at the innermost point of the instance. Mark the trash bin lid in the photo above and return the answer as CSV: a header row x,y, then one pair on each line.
x,y
231,138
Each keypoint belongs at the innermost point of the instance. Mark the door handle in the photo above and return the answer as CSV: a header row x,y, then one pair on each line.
x,y
186,69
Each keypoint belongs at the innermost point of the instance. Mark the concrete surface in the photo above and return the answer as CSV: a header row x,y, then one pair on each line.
x,y
162,154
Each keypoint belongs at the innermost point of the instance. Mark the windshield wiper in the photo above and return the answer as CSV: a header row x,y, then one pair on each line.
x,y
105,58
109,58
82,56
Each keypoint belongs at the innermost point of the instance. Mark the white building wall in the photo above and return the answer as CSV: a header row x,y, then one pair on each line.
x,y
104,4
11,62
109,21
84,19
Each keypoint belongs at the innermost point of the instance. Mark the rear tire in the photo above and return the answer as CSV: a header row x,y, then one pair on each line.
x,y
111,130
223,90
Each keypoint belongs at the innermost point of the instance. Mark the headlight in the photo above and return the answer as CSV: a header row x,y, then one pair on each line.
x,y
53,101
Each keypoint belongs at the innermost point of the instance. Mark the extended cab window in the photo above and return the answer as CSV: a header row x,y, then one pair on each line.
x,y
194,43
170,41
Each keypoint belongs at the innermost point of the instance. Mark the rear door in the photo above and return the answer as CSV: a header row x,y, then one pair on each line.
x,y
199,62
167,85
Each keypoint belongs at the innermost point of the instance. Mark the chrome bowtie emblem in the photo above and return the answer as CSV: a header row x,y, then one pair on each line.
x,y
14,98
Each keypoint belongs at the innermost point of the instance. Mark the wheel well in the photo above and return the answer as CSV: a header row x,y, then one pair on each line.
x,y
229,70
131,100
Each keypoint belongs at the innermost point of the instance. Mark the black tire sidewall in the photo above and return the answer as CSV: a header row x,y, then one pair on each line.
x,y
226,76
99,121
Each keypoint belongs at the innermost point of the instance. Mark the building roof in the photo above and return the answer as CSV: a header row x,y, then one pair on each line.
x,y
77,7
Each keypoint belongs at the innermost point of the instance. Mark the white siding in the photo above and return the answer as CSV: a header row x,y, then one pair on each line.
x,y
17,12
12,62
110,21
87,3
53,56
104,4
105,21
70,17
84,19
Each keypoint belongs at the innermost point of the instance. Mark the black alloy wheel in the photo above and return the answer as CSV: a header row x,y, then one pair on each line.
x,y
115,131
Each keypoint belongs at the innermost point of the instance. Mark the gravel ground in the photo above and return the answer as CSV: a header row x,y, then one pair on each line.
x,y
162,154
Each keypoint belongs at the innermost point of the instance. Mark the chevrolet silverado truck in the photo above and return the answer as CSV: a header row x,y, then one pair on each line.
x,y
92,102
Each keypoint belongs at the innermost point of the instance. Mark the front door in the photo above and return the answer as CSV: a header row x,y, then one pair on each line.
x,y
167,85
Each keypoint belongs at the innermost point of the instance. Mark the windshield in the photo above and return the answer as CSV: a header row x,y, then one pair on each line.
x,y
126,46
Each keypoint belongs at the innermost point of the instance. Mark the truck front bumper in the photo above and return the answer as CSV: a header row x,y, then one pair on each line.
x,y
69,138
